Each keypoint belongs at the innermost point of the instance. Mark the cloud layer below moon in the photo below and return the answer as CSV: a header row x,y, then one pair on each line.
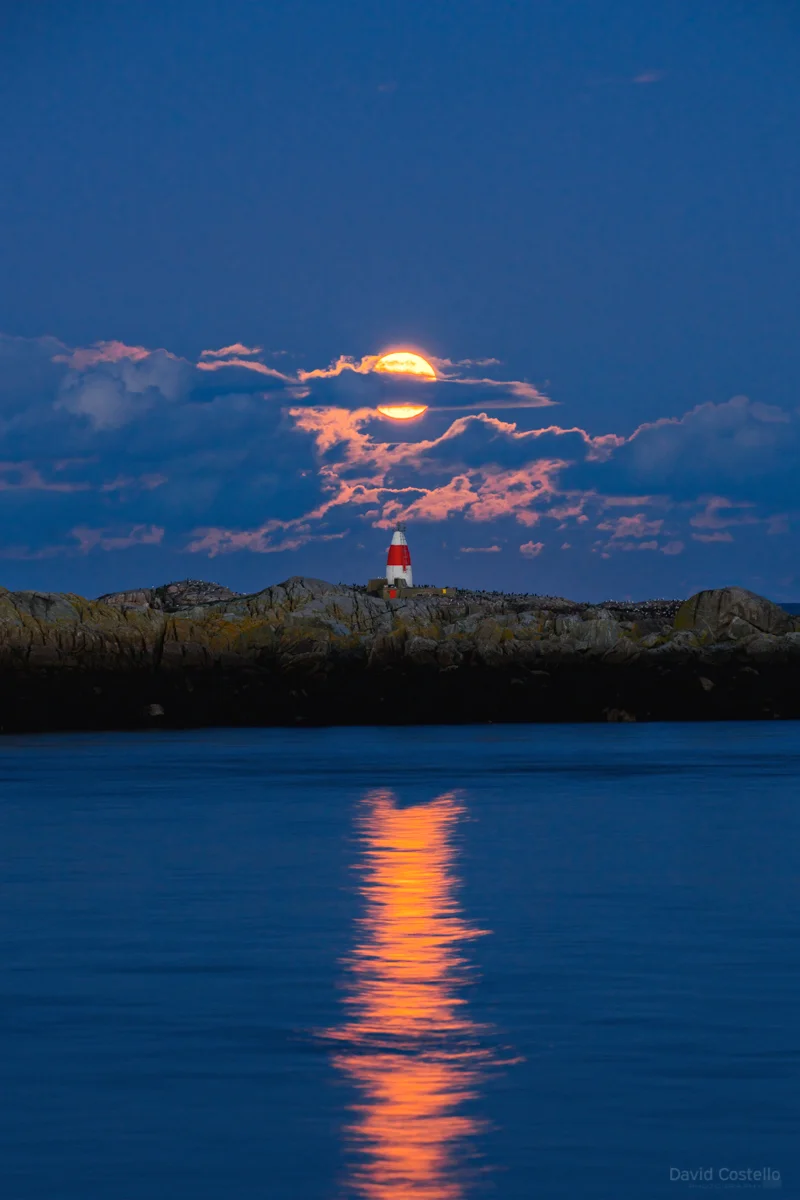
x,y
118,459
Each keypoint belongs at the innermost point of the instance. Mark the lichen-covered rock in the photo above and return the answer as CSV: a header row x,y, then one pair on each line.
x,y
489,632
310,620
567,625
422,650
136,598
737,630
597,635
685,641
731,612
170,597
42,606
760,646
448,654
624,649
309,651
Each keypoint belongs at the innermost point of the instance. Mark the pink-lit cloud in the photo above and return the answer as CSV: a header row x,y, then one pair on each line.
x,y
366,471
511,393
570,508
126,483
25,476
632,501
345,362
431,504
636,526
246,364
237,350
531,549
259,541
103,352
720,513
449,364
650,545
87,539
107,539
720,535
121,388
778,524
198,450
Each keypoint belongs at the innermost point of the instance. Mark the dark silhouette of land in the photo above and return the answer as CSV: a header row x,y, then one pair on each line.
x,y
310,652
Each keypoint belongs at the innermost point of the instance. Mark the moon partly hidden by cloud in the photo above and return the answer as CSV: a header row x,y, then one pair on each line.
x,y
404,362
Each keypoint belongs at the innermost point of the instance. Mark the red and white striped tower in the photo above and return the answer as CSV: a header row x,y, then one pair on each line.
x,y
398,560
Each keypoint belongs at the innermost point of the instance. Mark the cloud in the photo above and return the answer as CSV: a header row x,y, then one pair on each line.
x,y
649,77
243,364
778,524
111,447
128,483
106,539
260,541
103,352
25,476
452,389
84,540
446,364
626,546
237,350
719,513
636,526
713,444
121,386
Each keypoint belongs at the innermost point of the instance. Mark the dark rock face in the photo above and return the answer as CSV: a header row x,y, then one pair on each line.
x,y
732,612
171,597
307,651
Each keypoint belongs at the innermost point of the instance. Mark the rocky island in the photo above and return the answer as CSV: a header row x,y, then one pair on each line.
x,y
306,652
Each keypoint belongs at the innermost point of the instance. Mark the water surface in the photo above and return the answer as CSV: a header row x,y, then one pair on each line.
x,y
419,963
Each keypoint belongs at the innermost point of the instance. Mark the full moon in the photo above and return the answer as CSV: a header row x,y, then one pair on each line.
x,y
403,362
402,412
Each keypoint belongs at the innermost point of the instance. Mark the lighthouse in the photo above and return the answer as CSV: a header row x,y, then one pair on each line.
x,y
398,560
397,584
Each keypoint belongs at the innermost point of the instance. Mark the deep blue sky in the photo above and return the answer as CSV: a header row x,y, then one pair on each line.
x,y
603,196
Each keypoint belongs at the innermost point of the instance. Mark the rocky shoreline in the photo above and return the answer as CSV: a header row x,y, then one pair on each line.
x,y
306,652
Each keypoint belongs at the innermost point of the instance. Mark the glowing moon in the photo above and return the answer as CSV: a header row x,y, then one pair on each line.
x,y
403,362
402,412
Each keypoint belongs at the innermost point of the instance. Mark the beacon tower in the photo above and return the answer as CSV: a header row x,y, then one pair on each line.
x,y
398,560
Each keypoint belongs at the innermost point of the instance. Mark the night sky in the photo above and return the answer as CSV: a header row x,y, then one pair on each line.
x,y
584,215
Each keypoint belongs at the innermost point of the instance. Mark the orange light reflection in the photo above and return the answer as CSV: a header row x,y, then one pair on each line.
x,y
413,1052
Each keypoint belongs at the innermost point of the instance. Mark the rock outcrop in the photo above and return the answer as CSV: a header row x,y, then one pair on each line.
x,y
172,597
307,651
732,612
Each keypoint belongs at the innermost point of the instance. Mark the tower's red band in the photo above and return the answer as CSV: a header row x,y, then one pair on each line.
x,y
399,556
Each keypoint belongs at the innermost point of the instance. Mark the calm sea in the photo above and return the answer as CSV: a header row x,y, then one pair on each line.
x,y
400,964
